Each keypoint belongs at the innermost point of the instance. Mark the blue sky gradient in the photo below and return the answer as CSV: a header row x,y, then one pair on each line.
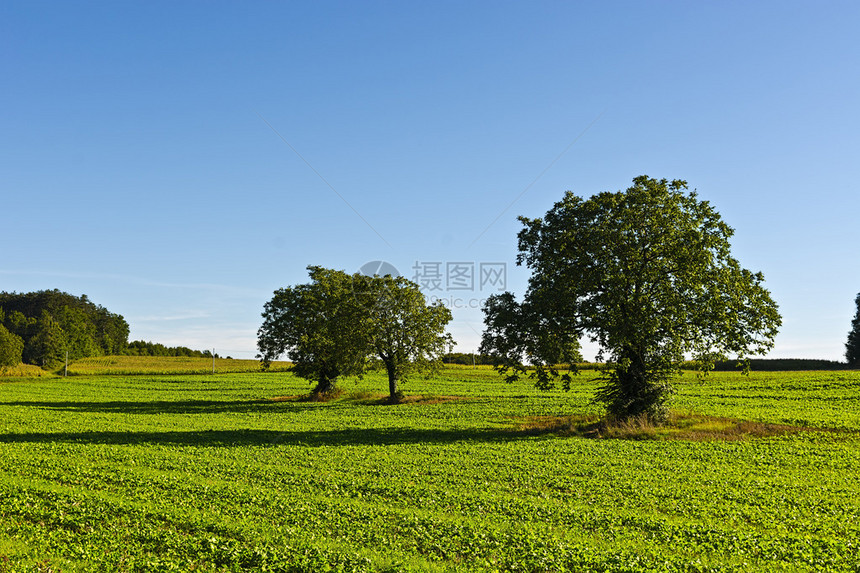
x,y
177,162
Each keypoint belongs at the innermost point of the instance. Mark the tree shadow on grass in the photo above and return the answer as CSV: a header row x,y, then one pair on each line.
x,y
273,438
168,406
278,404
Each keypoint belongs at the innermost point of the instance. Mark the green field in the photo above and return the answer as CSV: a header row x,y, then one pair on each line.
x,y
234,472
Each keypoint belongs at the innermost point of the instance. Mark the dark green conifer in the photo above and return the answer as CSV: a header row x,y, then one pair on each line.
x,y
852,347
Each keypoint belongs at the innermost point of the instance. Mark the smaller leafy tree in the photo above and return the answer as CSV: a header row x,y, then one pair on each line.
x,y
20,325
318,325
405,333
11,347
852,347
339,323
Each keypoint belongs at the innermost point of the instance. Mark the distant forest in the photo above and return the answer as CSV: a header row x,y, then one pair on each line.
x,y
466,359
44,327
141,348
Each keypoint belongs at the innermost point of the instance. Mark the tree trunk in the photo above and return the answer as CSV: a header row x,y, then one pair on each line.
x,y
324,386
639,391
392,382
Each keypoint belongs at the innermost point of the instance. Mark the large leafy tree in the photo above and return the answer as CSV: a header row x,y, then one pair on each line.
x,y
648,275
852,347
320,328
404,332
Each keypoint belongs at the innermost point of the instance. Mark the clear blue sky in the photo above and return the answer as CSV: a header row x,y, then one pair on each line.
x,y
138,165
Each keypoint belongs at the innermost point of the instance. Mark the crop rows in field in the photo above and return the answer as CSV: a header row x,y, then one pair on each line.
x,y
209,473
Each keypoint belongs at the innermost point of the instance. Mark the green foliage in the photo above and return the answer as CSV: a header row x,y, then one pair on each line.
x,y
319,326
527,339
339,323
47,344
403,332
467,359
11,347
257,484
52,323
143,348
852,346
648,275
79,333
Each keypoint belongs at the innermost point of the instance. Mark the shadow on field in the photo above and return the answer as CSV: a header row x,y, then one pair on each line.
x,y
310,438
167,406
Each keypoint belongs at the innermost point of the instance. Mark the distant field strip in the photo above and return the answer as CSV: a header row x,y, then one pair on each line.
x,y
132,365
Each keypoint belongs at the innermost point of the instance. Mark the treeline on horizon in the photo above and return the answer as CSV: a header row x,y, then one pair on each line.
x,y
783,364
142,348
467,358
45,328
756,364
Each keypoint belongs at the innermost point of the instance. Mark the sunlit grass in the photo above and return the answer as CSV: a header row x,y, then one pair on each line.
x,y
240,472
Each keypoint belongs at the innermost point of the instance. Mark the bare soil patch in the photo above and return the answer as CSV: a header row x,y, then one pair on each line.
x,y
690,427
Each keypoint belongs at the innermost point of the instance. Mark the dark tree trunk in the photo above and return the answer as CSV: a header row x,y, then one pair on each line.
x,y
636,390
392,381
324,386
392,385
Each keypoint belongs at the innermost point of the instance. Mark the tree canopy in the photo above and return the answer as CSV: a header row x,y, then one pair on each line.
x,y
338,324
317,325
11,345
404,333
852,346
537,335
648,275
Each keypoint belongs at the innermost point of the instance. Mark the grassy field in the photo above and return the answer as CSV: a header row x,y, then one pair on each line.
x,y
235,472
